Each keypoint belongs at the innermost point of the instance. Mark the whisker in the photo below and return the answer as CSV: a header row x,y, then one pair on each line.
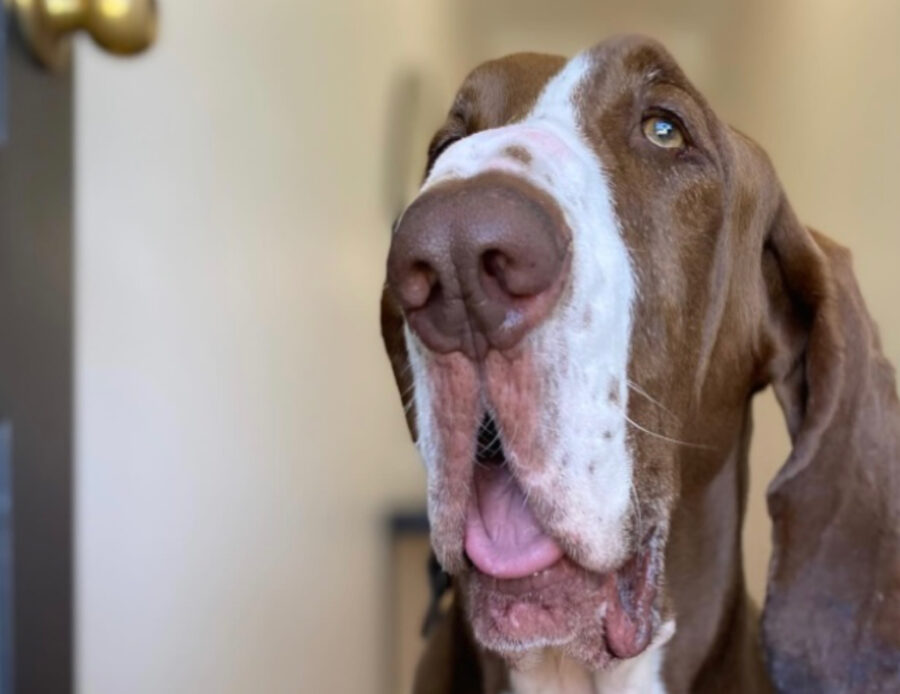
x,y
511,443
494,441
665,438
637,508
525,497
491,448
637,389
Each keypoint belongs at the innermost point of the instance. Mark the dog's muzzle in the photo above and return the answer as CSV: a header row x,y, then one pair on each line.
x,y
476,263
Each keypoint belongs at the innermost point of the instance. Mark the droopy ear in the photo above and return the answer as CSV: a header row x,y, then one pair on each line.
x,y
831,621
395,344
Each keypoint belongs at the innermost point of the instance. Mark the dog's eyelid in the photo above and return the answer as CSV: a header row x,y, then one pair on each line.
x,y
440,147
454,131
440,144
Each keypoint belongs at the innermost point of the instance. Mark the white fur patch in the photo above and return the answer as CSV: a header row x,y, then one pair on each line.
x,y
583,347
554,674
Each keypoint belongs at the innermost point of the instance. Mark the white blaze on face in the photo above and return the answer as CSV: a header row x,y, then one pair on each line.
x,y
580,352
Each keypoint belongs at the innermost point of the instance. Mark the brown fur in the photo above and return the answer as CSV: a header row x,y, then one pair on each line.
x,y
735,294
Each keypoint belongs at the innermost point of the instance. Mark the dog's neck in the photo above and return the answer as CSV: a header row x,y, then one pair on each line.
x,y
716,622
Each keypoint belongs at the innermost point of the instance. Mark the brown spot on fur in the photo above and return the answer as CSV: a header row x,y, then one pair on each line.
x,y
518,153
614,392
587,318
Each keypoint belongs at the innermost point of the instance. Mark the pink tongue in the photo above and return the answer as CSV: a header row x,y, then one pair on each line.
x,y
503,538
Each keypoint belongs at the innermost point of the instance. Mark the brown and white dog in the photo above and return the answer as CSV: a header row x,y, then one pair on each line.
x,y
595,279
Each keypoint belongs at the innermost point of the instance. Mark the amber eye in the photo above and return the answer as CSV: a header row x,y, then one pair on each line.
x,y
663,132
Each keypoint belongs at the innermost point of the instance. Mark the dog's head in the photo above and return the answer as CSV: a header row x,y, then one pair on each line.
x,y
595,277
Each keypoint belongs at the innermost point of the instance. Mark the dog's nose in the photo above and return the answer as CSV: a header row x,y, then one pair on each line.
x,y
477,263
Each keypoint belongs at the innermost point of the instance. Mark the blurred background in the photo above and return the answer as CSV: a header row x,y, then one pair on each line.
x,y
238,440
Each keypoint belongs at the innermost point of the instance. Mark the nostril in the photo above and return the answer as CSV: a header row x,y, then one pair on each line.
x,y
518,275
418,285
494,264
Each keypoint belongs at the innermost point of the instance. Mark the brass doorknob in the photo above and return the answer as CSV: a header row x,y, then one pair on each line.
x,y
123,27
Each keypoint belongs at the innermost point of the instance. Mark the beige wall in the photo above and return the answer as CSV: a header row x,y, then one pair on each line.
x,y
237,430
238,433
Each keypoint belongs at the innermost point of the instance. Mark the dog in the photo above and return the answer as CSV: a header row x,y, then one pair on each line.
x,y
594,280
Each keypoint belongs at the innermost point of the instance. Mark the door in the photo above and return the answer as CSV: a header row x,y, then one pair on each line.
x,y
36,327
36,370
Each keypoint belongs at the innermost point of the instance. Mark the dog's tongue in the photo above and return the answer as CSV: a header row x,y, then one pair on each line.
x,y
503,538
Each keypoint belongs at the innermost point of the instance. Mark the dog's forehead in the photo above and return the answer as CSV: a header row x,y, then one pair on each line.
x,y
639,57
500,92
503,91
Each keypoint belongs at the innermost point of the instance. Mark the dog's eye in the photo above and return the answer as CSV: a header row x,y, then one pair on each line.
x,y
663,132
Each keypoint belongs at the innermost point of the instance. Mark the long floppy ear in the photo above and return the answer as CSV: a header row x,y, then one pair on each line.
x,y
831,622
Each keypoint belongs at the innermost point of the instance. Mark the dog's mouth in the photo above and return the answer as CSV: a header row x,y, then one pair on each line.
x,y
523,592
503,538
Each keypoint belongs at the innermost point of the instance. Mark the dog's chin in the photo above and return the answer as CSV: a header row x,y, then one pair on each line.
x,y
525,582
596,619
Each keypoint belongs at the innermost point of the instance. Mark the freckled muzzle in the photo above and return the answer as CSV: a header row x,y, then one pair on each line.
x,y
477,263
